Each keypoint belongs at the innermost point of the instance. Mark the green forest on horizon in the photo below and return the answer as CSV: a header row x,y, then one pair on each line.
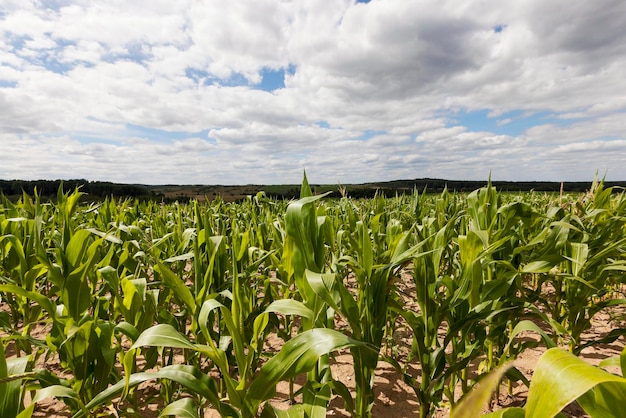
x,y
97,190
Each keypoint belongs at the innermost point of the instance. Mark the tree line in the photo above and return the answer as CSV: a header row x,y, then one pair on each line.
x,y
49,188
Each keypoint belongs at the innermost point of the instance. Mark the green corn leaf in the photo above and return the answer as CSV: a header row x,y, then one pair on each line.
x,y
110,277
56,391
10,403
560,378
514,412
290,307
475,401
184,408
27,412
106,235
42,300
128,330
162,335
615,267
15,244
177,285
470,248
188,376
182,257
580,253
342,390
610,362
539,266
53,391
527,325
77,247
366,255
260,324
315,400
128,363
305,188
295,411
298,355
320,283
604,400
76,294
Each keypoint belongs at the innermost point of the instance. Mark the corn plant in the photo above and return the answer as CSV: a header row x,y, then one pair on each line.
x,y
21,248
245,398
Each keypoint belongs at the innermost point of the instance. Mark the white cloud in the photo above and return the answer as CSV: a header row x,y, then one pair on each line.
x,y
158,91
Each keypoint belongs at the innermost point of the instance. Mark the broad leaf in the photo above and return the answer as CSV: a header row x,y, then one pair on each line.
x,y
298,355
185,408
475,401
560,378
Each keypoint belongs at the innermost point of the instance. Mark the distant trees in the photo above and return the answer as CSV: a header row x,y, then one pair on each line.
x,y
97,190
49,188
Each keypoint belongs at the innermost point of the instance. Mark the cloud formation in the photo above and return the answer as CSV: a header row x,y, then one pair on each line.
x,y
254,92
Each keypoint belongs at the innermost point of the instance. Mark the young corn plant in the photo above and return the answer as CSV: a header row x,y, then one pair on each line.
x,y
246,397
365,309
488,253
436,297
305,249
21,248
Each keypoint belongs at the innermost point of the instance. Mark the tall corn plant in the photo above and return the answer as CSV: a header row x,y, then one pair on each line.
x,y
488,254
305,249
366,311
21,248
368,250
436,296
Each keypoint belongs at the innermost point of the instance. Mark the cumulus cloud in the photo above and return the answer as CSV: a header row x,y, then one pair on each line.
x,y
177,92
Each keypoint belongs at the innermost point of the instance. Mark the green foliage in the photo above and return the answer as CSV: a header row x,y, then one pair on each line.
x,y
560,378
196,290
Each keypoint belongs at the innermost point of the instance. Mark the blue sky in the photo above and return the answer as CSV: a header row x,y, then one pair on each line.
x,y
207,92
271,79
512,123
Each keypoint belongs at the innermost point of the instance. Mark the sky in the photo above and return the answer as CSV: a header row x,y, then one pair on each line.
x,y
257,91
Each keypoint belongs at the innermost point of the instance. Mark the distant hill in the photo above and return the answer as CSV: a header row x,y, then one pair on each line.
x,y
96,190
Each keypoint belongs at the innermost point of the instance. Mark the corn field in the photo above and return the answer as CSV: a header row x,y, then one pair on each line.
x,y
186,296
